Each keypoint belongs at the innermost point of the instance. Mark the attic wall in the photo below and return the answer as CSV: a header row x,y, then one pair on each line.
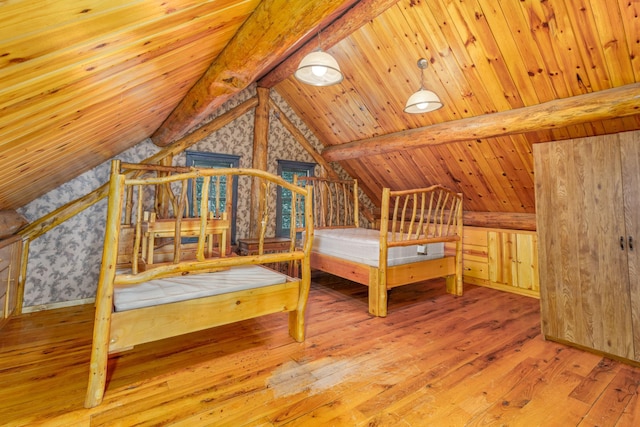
x,y
64,263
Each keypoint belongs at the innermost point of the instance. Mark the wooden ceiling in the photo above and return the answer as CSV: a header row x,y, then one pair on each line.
x,y
485,56
81,81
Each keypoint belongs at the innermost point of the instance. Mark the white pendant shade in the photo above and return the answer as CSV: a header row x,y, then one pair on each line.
x,y
422,101
319,69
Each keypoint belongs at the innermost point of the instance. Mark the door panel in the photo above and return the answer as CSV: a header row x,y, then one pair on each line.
x,y
630,155
583,270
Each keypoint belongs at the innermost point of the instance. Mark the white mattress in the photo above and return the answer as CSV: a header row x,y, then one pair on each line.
x,y
180,288
362,245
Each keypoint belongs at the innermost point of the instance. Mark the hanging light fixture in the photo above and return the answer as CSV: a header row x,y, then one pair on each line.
x,y
319,68
423,100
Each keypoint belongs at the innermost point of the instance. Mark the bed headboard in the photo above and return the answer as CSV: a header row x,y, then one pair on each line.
x,y
335,202
150,209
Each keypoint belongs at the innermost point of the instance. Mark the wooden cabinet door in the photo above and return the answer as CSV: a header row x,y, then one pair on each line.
x,y
630,155
513,259
584,276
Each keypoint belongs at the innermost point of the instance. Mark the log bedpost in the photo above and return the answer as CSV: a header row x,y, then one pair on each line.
x,y
104,296
378,284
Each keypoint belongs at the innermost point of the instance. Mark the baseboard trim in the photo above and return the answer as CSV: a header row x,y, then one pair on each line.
x,y
54,305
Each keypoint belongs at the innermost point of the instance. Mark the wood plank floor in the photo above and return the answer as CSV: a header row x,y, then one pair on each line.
x,y
436,360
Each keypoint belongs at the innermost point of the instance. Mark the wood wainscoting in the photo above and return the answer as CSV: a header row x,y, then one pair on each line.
x,y
435,360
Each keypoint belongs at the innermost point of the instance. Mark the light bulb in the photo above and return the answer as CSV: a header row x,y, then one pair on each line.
x,y
319,70
422,105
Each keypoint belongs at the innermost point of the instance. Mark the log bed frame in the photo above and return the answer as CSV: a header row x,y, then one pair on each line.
x,y
127,230
407,217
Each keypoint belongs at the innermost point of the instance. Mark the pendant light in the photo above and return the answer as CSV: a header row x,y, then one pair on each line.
x,y
319,68
422,101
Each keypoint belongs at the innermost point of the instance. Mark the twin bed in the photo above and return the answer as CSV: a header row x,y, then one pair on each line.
x,y
156,284
408,245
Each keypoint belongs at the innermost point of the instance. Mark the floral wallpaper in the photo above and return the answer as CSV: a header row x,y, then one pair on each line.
x,y
64,263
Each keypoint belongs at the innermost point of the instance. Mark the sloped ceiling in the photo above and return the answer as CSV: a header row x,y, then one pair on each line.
x,y
81,81
485,56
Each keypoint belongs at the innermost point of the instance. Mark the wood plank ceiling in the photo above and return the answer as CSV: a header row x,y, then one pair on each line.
x,y
81,81
485,56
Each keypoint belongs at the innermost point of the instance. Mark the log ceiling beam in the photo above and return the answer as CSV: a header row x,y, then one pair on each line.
x,y
356,17
602,105
272,30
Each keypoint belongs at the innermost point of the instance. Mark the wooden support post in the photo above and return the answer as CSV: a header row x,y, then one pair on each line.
x,y
297,316
454,283
260,153
24,260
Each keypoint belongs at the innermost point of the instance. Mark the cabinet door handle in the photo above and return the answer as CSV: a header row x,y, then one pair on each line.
x,y
630,243
622,243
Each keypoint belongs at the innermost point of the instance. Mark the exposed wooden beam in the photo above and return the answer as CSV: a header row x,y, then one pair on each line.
x,y
356,17
606,104
272,29
508,220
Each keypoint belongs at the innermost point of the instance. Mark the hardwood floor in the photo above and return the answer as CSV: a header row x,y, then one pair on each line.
x,y
436,360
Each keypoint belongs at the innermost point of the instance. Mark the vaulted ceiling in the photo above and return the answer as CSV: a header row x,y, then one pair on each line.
x,y
81,81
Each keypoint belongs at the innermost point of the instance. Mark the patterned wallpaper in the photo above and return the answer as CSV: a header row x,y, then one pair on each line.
x,y
64,263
